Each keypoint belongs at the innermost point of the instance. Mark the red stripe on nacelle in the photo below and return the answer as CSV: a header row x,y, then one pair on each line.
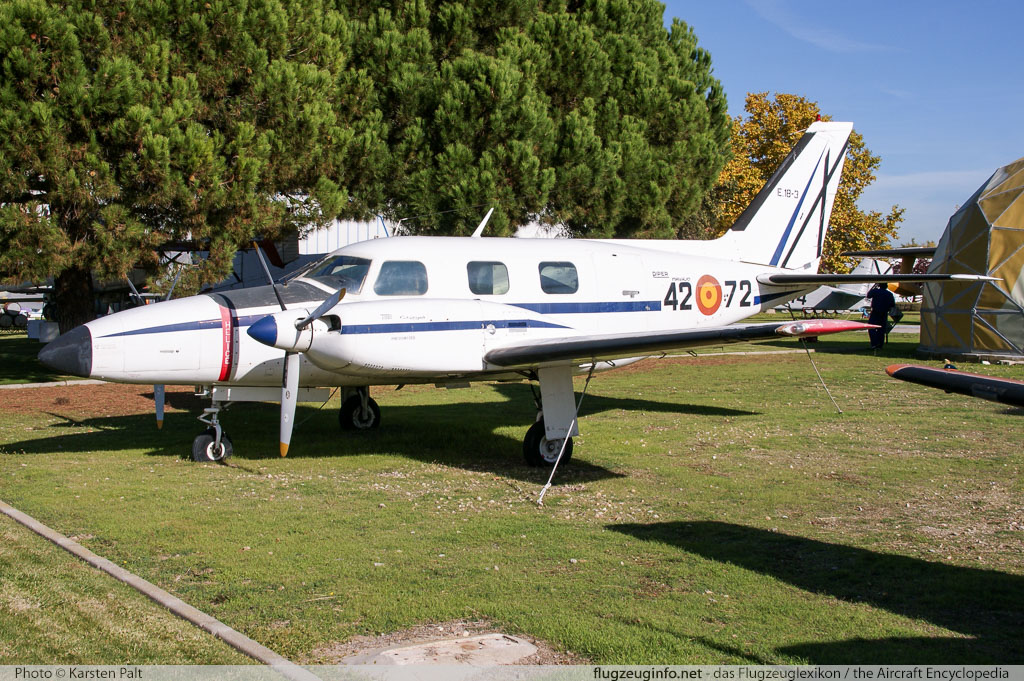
x,y
820,327
227,344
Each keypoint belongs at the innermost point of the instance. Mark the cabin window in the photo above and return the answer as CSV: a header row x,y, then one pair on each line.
x,y
343,271
487,278
558,277
401,278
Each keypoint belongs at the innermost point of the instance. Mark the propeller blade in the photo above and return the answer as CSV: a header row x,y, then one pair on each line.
x,y
321,309
273,285
177,276
289,395
135,293
158,399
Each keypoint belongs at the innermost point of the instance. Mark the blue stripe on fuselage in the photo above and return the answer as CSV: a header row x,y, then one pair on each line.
x,y
414,327
591,308
540,308
202,325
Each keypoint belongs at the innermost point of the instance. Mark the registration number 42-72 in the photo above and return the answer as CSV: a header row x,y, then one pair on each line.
x,y
680,294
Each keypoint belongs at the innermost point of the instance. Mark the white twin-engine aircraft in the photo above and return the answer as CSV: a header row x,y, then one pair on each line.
x,y
450,310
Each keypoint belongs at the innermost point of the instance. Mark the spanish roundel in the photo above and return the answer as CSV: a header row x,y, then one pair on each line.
x,y
709,295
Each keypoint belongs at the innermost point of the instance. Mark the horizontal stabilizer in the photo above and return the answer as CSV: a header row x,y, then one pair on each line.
x,y
1004,390
907,252
835,279
612,346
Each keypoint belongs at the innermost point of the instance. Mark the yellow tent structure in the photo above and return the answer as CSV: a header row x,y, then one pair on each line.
x,y
986,236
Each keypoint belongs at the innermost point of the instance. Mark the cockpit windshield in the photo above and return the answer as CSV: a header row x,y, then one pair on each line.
x,y
340,271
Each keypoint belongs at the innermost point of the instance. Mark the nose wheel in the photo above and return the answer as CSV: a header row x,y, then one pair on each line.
x,y
206,447
213,444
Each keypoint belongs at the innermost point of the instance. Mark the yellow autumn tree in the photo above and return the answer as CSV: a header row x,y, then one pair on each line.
x,y
760,141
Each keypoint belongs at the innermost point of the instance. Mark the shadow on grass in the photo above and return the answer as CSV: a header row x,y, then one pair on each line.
x,y
461,436
986,605
519,395
896,348
458,435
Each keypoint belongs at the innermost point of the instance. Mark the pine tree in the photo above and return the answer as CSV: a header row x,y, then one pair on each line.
x,y
123,127
588,114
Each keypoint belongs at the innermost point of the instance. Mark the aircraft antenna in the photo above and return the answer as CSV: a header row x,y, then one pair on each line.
x,y
483,223
575,418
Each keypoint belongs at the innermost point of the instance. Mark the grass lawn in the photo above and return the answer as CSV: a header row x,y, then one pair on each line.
x,y
717,510
18,362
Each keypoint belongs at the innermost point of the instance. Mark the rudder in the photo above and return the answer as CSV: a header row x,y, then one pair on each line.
x,y
786,223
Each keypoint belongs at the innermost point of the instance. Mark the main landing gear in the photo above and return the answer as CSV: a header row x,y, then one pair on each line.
x,y
538,450
358,410
556,425
213,444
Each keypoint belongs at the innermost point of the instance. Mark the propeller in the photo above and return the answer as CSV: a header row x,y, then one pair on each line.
x,y
266,332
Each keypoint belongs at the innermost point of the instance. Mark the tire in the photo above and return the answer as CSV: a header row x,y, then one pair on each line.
x,y
203,450
538,450
351,418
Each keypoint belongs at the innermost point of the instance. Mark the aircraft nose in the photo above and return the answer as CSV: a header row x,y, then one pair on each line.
x,y
70,353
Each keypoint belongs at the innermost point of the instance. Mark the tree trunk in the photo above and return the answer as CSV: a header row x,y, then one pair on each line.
x,y
73,298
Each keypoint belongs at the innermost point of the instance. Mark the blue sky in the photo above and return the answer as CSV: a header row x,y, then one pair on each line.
x,y
936,88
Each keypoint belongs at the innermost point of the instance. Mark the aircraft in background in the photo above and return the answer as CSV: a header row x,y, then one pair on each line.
x,y
1004,390
449,310
842,298
908,258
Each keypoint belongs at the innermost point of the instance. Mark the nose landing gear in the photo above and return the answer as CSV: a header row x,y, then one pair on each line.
x,y
213,444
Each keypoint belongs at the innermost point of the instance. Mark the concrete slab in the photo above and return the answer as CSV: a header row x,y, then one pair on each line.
x,y
485,650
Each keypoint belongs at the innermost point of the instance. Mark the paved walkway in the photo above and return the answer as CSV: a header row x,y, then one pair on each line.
x,y
52,384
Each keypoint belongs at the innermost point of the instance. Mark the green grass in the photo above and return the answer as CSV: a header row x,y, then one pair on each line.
x,y
54,607
717,510
18,363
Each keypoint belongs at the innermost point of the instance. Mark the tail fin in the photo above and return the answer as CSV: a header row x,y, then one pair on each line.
x,y
785,224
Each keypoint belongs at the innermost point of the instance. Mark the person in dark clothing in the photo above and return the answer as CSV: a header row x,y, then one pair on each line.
x,y
882,300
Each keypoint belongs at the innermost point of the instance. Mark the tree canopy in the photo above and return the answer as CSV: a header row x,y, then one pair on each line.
x,y
127,125
760,141
588,114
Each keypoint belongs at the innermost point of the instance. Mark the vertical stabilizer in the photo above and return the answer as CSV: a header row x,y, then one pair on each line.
x,y
785,224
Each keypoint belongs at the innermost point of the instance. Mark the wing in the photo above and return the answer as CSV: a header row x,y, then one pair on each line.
x,y
1005,390
613,346
834,279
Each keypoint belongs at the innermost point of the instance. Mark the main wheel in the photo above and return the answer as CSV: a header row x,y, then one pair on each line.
x,y
538,450
351,416
204,449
